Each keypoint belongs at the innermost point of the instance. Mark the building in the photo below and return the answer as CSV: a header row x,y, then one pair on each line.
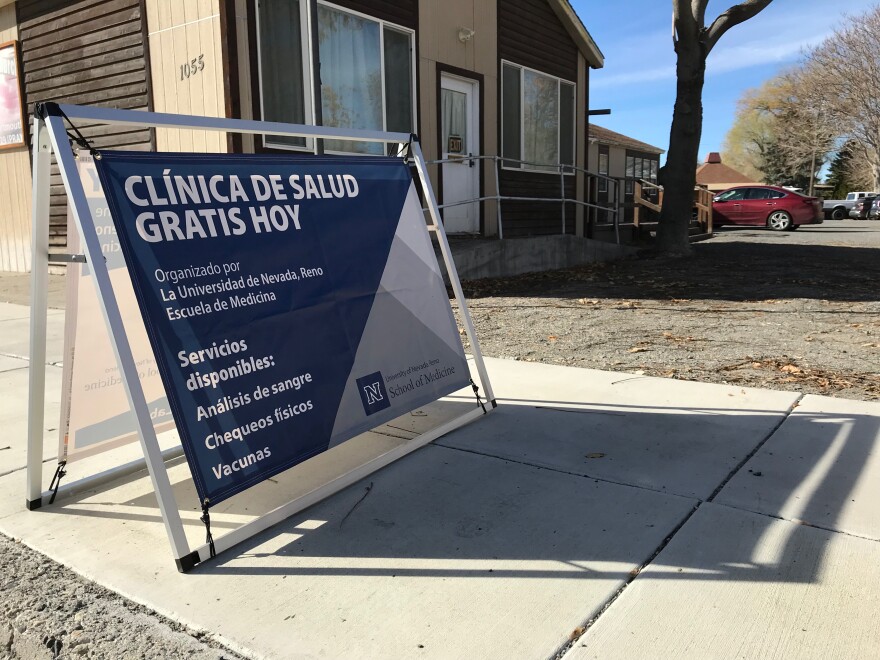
x,y
718,177
470,77
622,158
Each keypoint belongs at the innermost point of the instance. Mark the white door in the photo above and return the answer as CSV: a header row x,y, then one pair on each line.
x,y
459,133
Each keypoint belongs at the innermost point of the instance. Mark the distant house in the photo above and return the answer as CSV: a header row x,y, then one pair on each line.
x,y
495,78
620,157
718,177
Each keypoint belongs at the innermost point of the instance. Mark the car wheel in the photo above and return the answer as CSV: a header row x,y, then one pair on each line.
x,y
779,221
838,214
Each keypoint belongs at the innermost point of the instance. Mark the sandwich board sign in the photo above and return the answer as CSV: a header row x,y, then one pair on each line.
x,y
291,303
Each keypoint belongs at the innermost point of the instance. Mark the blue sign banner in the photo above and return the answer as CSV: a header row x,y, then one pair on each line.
x,y
292,302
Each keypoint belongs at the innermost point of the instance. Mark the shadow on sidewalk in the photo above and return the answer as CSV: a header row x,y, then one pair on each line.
x,y
532,481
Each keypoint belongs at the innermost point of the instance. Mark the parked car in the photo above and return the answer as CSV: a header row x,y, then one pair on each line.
x,y
862,208
838,209
766,206
874,213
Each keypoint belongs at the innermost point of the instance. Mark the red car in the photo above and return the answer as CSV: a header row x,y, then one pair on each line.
x,y
766,206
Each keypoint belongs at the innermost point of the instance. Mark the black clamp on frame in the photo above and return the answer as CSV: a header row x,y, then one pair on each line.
x,y
60,472
479,398
405,151
46,109
188,562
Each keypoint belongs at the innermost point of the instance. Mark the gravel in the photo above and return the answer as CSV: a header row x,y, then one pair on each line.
x,y
797,312
47,611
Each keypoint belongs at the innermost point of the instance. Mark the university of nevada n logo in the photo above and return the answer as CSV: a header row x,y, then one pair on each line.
x,y
373,393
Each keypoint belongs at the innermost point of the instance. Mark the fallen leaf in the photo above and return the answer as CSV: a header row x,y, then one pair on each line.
x,y
638,349
597,454
791,369
552,338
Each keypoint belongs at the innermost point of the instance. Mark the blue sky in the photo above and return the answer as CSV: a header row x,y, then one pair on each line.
x,y
638,81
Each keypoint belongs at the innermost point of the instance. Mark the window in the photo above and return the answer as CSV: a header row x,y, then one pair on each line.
x,y
629,173
367,72
603,169
282,61
732,195
537,120
758,193
640,167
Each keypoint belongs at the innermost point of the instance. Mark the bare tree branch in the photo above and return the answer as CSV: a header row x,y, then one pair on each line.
x,y
732,17
848,64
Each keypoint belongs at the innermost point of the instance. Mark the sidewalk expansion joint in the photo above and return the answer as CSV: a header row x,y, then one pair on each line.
x,y
582,630
579,475
754,451
797,521
24,467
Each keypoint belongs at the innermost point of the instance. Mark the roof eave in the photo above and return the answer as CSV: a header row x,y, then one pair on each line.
x,y
578,33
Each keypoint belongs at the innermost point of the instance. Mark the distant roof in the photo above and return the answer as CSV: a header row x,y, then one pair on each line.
x,y
575,28
607,136
714,172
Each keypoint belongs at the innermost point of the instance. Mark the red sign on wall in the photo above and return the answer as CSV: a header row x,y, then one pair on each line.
x,y
12,132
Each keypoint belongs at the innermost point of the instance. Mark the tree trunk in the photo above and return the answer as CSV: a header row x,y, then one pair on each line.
x,y
679,173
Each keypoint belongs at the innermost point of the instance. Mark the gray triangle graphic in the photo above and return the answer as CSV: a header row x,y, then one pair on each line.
x,y
423,367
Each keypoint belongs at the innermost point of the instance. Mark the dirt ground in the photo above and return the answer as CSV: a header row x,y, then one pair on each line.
x,y
793,311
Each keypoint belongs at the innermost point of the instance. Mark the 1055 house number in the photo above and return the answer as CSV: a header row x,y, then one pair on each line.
x,y
192,67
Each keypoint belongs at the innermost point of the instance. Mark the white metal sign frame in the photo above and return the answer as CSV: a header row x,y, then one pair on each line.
x,y
50,135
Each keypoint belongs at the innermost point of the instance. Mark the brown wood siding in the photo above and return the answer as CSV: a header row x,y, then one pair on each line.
x,y
530,34
88,52
535,218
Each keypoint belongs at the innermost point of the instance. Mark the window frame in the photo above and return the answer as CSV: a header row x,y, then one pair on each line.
x,y
643,165
309,78
565,168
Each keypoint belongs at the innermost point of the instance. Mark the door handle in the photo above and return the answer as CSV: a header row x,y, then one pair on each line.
x,y
470,160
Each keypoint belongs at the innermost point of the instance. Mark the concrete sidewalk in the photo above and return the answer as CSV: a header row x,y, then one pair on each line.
x,y
592,515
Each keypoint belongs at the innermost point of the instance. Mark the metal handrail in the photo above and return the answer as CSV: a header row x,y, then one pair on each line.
x,y
563,171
